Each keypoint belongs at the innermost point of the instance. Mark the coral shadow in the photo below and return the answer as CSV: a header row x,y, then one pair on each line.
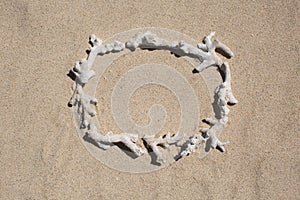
x,y
71,75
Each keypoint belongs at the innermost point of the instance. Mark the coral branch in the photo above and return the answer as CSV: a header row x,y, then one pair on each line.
x,y
149,40
86,103
223,95
221,112
163,141
83,72
212,136
226,70
94,41
224,50
205,53
106,141
191,145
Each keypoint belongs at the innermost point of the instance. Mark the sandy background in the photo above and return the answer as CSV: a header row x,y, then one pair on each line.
x,y
41,155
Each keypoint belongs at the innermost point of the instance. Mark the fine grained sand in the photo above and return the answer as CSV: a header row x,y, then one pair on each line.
x,y
41,154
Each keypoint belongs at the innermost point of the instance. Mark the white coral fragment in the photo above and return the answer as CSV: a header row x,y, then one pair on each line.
x,y
108,140
209,47
83,72
212,132
205,53
223,96
216,124
95,41
164,141
229,95
145,40
84,103
224,50
191,145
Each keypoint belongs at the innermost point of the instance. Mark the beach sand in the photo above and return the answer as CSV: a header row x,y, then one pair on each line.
x,y
42,156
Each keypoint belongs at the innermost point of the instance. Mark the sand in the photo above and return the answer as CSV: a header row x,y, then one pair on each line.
x,y
42,156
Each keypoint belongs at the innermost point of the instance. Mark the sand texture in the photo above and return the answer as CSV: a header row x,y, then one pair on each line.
x,y
41,155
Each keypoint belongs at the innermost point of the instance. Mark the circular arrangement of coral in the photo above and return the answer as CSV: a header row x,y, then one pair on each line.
x,y
140,149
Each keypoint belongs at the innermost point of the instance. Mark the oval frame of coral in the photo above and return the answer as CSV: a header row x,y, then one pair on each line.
x,y
85,114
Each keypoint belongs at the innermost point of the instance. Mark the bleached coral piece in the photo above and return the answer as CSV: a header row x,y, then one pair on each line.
x,y
149,40
205,53
145,40
108,140
226,70
223,95
224,50
87,110
212,136
83,72
98,48
165,141
220,102
221,112
85,102
207,44
95,41
209,47
191,145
